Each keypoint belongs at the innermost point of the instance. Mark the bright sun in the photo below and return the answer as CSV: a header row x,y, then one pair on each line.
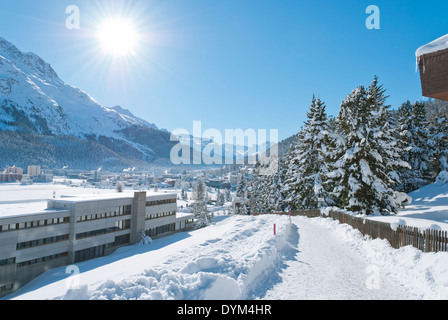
x,y
117,37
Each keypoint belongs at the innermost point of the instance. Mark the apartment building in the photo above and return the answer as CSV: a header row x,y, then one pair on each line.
x,y
36,237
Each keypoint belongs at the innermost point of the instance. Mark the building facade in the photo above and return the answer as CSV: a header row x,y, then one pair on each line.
x,y
33,170
76,229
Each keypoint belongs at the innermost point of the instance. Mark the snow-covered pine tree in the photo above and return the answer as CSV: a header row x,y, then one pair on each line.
x,y
199,207
274,189
367,168
184,195
241,186
220,198
335,150
306,165
120,186
228,195
414,134
387,134
439,145
257,191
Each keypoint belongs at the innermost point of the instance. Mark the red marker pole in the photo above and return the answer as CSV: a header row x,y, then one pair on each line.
x,y
274,230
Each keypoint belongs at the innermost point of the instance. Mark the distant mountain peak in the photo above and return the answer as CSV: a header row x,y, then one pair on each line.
x,y
29,61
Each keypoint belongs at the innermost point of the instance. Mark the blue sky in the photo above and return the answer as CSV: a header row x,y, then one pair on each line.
x,y
231,63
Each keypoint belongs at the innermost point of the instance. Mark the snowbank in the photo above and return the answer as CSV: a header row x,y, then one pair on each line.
x,y
425,275
442,178
229,260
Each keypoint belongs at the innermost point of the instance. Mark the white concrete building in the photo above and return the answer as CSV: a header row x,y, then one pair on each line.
x,y
36,236
33,171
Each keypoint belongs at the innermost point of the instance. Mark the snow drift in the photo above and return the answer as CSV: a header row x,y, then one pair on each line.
x,y
233,259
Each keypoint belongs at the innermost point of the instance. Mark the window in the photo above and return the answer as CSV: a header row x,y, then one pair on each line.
x,y
6,287
124,239
160,202
40,242
159,230
42,259
119,225
5,262
91,253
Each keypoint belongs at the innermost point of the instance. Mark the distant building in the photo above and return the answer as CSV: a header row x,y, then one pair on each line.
x,y
33,171
11,174
42,178
13,170
170,182
233,179
214,183
35,239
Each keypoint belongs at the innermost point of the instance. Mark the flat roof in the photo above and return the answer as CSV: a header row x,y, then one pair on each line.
x,y
15,208
110,196
184,215
12,210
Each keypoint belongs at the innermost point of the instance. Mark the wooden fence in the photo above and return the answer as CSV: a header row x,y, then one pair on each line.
x,y
428,240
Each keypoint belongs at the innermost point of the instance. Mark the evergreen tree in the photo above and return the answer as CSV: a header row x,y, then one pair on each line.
x,y
306,167
275,194
228,196
414,134
120,186
241,186
439,146
199,207
220,198
257,199
367,167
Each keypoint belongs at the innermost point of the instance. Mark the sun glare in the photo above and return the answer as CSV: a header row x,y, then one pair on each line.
x,y
117,37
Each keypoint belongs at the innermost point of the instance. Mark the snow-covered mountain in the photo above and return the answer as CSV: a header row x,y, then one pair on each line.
x,y
34,100
208,146
30,83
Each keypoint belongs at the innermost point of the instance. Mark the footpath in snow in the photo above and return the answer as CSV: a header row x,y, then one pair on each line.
x,y
330,266
239,258
335,261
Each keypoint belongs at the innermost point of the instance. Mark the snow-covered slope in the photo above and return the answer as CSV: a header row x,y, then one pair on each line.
x,y
428,209
34,87
220,150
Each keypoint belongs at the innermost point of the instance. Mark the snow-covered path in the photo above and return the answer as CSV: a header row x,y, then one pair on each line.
x,y
326,267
